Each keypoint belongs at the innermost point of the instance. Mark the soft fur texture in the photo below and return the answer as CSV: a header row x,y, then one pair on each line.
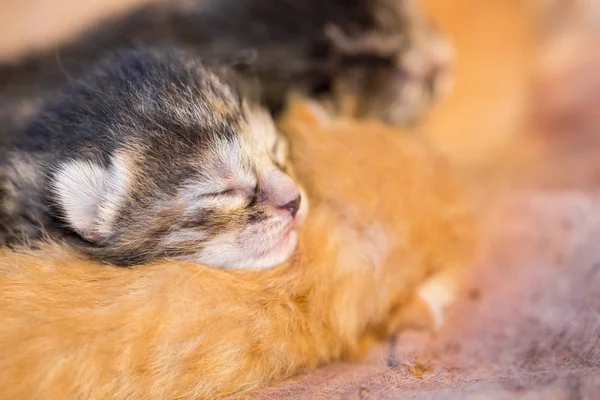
x,y
387,218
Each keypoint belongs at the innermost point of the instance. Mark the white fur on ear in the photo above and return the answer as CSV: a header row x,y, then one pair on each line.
x,y
117,185
79,188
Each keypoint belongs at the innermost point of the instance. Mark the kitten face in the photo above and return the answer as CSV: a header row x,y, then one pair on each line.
x,y
195,172
229,204
243,211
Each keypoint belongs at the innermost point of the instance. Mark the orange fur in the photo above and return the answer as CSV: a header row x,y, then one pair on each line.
x,y
488,109
386,215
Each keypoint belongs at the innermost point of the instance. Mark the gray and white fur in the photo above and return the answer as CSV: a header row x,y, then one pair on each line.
x,y
149,154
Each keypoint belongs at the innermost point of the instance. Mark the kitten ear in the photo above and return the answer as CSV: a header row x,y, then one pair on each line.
x,y
79,188
237,70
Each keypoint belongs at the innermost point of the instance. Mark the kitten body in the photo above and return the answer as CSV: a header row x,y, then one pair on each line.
x,y
151,154
387,217
371,58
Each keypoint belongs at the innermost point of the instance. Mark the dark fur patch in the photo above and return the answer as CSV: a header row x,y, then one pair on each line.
x,y
294,51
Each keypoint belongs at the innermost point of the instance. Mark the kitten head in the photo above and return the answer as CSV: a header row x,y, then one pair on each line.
x,y
394,68
172,161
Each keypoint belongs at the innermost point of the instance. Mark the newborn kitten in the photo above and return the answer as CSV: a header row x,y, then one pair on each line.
x,y
368,58
152,154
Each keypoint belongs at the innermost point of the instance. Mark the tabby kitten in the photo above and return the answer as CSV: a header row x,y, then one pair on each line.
x,y
368,58
152,154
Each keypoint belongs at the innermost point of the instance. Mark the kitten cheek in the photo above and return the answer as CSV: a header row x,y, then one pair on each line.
x,y
256,217
185,236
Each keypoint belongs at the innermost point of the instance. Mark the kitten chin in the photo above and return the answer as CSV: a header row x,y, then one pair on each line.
x,y
387,217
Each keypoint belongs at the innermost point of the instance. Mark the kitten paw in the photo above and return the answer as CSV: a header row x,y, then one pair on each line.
x,y
437,294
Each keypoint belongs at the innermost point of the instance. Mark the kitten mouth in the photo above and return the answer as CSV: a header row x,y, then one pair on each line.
x,y
281,243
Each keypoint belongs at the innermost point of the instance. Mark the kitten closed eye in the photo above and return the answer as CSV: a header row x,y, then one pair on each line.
x,y
227,192
236,192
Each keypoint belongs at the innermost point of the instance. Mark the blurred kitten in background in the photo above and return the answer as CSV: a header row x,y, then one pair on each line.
x,y
368,58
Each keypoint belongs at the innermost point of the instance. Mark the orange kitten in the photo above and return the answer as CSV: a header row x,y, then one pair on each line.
x,y
387,222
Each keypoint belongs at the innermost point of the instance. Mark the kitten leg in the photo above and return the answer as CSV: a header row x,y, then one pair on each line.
x,y
426,309
437,293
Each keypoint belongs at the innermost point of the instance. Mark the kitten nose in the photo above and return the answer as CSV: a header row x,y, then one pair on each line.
x,y
293,206
282,192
